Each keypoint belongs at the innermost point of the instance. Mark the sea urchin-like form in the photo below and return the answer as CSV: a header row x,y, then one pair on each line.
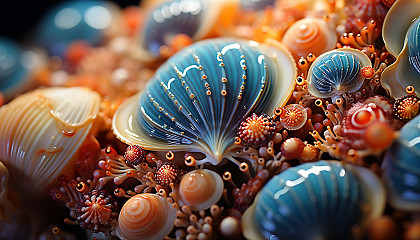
x,y
407,107
134,155
166,173
96,211
256,130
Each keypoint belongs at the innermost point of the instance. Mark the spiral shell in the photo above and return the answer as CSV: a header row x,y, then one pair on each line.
x,y
76,20
310,35
197,99
314,201
14,74
145,216
194,18
200,189
41,133
405,71
402,170
337,72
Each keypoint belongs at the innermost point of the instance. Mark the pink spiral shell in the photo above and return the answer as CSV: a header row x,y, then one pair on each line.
x,y
200,189
145,216
309,35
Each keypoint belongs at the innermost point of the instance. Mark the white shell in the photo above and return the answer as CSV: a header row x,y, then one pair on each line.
x,y
41,132
401,74
200,189
396,23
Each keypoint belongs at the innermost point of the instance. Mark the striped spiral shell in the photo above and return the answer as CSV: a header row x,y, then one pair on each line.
x,y
310,35
145,216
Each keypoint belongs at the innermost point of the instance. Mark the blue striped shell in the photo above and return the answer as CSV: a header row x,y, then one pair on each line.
x,y
402,168
14,75
413,43
401,33
337,72
75,20
197,99
171,18
192,17
320,200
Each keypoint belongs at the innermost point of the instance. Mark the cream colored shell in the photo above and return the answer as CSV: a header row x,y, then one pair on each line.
x,y
41,132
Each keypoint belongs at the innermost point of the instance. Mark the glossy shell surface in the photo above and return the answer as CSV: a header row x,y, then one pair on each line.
x,y
14,74
197,99
145,216
200,189
310,35
403,43
313,201
337,72
194,18
75,20
402,168
41,132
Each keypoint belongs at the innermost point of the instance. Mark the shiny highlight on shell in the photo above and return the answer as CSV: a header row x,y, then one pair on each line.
x,y
196,100
145,216
200,189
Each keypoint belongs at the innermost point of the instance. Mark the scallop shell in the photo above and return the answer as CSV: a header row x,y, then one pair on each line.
x,y
314,201
405,71
402,168
14,74
310,35
145,216
337,72
195,18
197,99
200,189
41,132
76,20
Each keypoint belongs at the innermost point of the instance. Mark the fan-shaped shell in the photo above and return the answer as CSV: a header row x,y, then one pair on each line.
x,y
195,18
200,189
145,216
76,20
197,99
14,74
337,72
405,71
313,201
41,132
402,168
310,35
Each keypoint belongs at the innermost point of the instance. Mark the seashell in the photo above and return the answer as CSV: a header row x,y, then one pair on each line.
x,y
14,73
310,35
195,18
293,117
405,71
200,189
41,133
196,100
145,216
76,20
407,107
402,170
317,200
337,72
256,4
